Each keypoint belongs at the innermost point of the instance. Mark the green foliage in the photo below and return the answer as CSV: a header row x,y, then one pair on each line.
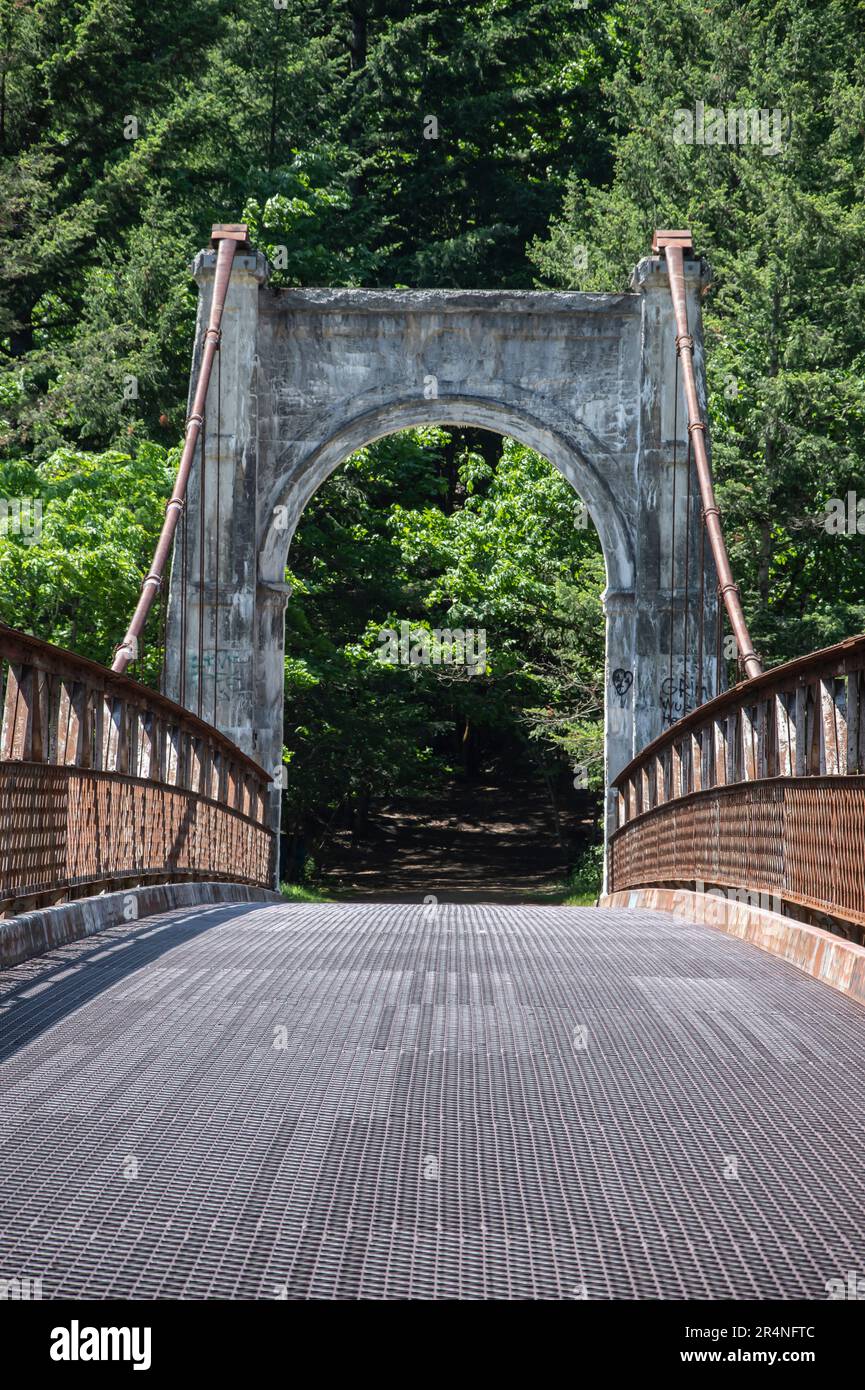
x,y
586,878
310,121
75,580
784,325
385,144
425,143
302,893
310,230
420,529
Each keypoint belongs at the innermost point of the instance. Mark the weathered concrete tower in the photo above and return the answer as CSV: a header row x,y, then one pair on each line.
x,y
305,377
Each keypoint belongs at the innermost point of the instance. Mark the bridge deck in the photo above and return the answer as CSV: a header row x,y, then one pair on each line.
x,y
433,1126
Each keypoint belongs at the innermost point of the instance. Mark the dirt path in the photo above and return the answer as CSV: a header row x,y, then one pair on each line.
x,y
475,844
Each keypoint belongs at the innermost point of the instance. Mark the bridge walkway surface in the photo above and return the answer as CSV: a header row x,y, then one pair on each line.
x,y
369,1100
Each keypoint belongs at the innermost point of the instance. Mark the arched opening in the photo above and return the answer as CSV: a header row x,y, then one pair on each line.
x,y
305,463
444,645
583,465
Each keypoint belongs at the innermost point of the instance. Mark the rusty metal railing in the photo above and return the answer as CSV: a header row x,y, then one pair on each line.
x,y
106,784
674,245
760,790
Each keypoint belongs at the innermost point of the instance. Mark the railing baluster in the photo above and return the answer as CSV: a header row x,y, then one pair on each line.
x,y
172,754
98,711
829,750
16,712
159,754
801,730
785,725
645,789
144,743
72,724
761,759
129,741
676,787
815,763
854,723
749,744
216,787
196,770
695,759
719,733
733,746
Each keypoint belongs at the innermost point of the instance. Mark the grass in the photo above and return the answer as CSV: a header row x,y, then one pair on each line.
x,y
581,899
303,893
584,882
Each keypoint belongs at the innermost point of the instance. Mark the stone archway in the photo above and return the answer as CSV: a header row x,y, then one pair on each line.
x,y
291,493
308,376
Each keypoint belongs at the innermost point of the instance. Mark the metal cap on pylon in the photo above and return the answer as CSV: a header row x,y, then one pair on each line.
x,y
682,237
230,231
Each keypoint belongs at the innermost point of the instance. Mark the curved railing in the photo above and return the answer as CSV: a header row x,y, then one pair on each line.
x,y
759,791
107,784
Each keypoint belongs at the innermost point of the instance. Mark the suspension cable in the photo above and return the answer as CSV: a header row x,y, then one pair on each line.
x,y
673,245
184,597
226,239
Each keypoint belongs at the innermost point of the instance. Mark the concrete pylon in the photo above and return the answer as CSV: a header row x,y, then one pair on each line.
x,y
307,376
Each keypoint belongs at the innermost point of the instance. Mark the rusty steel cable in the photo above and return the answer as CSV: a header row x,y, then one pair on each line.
x,y
673,245
184,594
226,239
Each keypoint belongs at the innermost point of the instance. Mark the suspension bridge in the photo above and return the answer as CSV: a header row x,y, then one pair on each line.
x,y
210,1092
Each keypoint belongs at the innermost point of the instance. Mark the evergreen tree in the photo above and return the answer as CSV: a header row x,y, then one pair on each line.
x,y
783,222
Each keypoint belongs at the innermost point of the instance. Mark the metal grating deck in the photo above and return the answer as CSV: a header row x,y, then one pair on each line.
x,y
481,1102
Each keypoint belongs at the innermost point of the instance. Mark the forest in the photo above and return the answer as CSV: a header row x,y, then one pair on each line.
x,y
409,143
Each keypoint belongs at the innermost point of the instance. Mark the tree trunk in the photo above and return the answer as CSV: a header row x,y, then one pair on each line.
x,y
357,42
274,96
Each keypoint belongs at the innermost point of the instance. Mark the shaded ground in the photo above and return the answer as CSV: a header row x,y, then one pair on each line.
x,y
359,1100
482,842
